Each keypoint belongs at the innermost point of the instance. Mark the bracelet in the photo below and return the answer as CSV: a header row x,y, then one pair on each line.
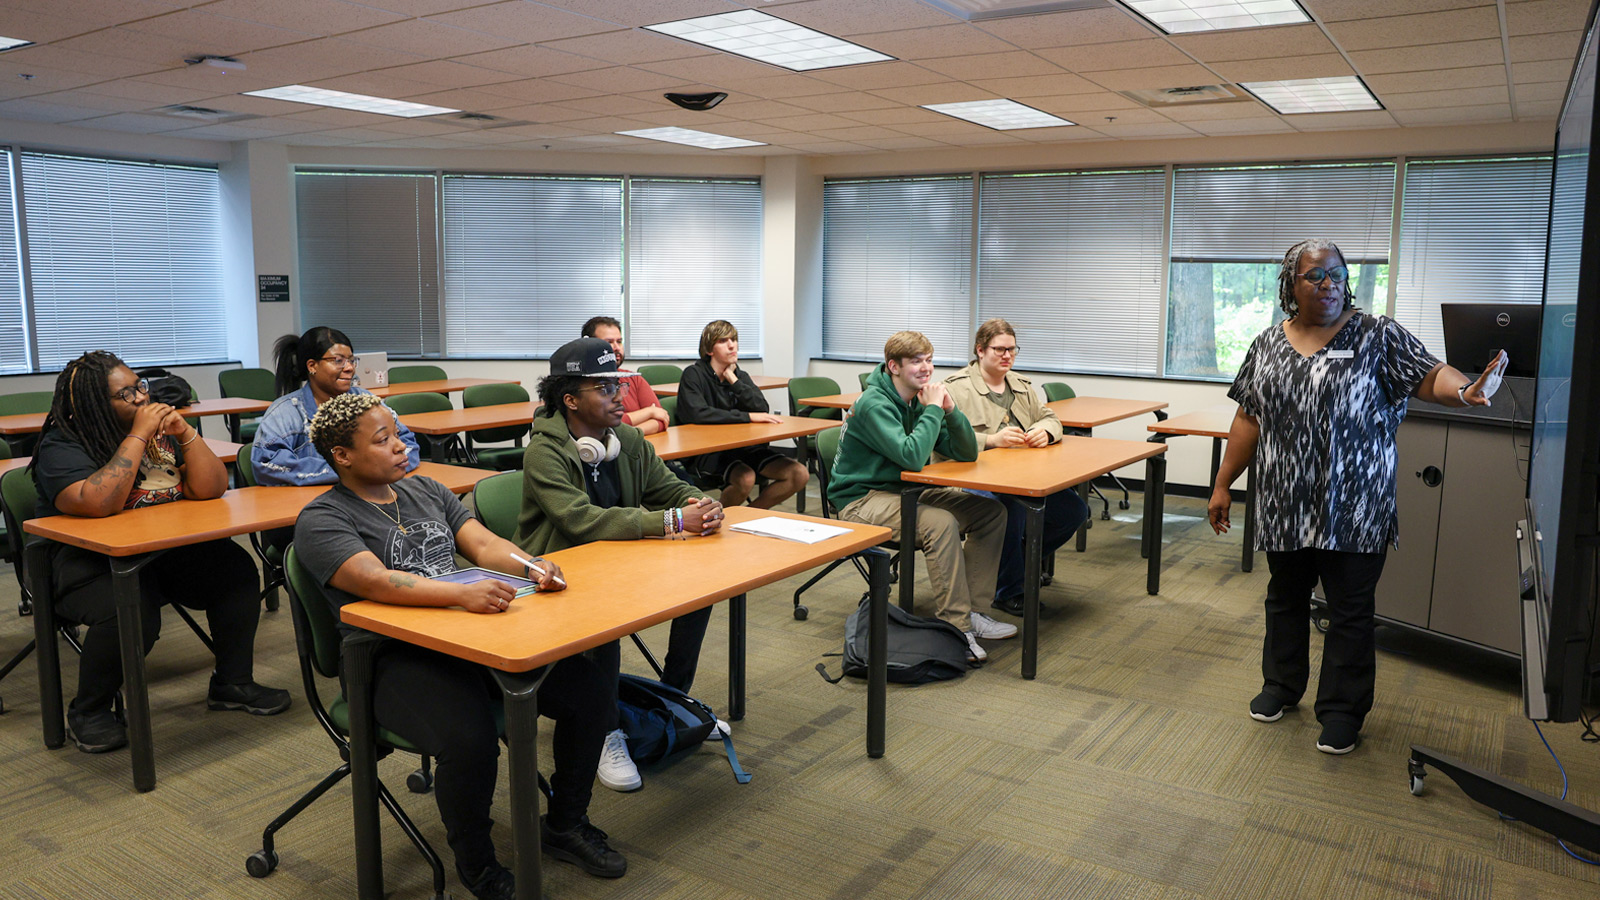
x,y
145,440
1461,393
190,440
666,523
677,515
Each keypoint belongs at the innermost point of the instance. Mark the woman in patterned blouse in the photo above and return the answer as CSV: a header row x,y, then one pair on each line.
x,y
1319,400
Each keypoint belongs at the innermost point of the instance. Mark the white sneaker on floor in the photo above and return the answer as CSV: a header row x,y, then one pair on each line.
x,y
617,770
975,653
989,629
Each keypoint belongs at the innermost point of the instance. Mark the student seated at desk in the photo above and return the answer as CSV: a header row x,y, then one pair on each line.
x,y
641,408
587,477
381,536
902,418
107,447
715,391
1005,412
311,368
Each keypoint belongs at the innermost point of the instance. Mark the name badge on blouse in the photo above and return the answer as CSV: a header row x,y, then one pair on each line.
x,y
1341,354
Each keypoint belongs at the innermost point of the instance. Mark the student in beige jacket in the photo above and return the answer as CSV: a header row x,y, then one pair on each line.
x,y
1006,413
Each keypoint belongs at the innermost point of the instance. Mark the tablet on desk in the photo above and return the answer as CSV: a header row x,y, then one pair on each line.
x,y
522,586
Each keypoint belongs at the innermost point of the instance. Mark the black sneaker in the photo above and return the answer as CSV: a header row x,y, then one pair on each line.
x,y
249,697
1011,606
96,732
1339,737
495,882
584,846
1266,707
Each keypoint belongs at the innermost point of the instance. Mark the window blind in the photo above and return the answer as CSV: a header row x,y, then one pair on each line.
x,y
896,255
13,318
126,257
1256,213
527,260
1471,230
369,258
694,255
1074,262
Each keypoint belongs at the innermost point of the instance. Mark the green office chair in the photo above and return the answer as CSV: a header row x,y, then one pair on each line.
x,y
20,404
255,384
403,374
827,450
22,498
661,373
1057,390
316,638
271,556
1060,390
811,386
670,404
862,377
496,458
410,404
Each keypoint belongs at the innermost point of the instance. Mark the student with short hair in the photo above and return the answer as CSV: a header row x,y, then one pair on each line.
x,y
587,477
901,420
106,447
715,391
380,536
641,408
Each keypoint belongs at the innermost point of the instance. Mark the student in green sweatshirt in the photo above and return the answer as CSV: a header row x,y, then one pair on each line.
x,y
902,418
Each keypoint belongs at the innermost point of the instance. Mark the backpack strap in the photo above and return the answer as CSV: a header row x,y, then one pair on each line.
x,y
739,774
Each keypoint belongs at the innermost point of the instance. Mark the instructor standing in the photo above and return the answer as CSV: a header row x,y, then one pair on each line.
x,y
1320,398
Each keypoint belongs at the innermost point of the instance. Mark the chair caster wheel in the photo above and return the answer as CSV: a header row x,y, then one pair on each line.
x,y
261,863
1416,785
1122,504
800,613
419,782
1321,623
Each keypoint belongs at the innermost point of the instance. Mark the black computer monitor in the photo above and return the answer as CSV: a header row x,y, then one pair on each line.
x,y
1475,332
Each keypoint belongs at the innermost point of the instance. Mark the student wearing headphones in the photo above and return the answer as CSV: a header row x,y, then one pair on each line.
x,y
589,477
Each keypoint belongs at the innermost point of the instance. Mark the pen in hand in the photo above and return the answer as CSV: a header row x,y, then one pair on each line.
x,y
535,568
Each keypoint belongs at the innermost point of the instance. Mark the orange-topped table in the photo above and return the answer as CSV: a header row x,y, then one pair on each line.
x,y
764,382
131,538
1087,413
438,386
542,629
681,441
1215,423
1031,475
31,423
831,401
454,421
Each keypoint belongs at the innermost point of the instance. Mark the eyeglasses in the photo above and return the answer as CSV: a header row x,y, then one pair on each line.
x,y
127,394
608,388
341,362
1338,274
1012,350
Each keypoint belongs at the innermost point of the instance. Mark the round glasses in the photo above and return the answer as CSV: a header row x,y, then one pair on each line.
x,y
1338,274
126,395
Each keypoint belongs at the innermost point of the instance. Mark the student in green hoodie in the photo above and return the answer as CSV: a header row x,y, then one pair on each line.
x,y
902,418
587,477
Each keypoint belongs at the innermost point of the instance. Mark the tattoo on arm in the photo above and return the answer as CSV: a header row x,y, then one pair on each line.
x,y
116,468
401,579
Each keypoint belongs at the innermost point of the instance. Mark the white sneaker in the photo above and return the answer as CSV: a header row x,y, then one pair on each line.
x,y
989,629
975,653
617,770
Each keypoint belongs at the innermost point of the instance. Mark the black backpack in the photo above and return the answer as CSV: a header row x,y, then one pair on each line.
x,y
660,720
920,649
168,388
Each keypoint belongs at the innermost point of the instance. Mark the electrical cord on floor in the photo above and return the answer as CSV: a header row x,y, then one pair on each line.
x,y
1560,843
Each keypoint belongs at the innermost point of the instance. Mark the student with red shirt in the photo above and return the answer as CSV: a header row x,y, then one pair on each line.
x,y
640,406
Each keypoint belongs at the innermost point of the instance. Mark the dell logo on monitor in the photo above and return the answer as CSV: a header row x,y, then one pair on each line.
x,y
1503,319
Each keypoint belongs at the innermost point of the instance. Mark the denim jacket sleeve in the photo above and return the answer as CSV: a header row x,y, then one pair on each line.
x,y
283,453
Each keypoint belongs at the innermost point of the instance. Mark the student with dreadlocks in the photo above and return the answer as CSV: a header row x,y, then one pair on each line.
x,y
106,447
381,536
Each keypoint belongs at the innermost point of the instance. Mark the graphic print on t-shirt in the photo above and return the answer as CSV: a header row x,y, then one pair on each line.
x,y
426,548
158,482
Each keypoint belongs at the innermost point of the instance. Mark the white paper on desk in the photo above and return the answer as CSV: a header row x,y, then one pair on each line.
x,y
800,532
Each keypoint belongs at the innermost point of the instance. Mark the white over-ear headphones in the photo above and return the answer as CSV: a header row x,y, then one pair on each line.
x,y
591,451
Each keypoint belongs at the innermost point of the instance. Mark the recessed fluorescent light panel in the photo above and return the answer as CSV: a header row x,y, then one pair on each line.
x,y
1001,115
1345,93
1179,16
299,93
12,43
770,39
692,138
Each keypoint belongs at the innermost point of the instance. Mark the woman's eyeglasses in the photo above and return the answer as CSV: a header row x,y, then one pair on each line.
x,y
1339,274
342,362
126,395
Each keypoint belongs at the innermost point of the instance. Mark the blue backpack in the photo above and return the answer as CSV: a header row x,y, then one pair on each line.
x,y
660,720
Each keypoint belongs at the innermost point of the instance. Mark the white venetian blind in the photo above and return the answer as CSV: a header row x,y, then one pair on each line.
x,y
1471,230
13,320
1074,262
1256,213
896,255
694,255
368,245
125,257
527,260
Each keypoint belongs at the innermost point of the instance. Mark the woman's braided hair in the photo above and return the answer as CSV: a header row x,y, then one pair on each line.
x,y
1291,267
334,425
81,408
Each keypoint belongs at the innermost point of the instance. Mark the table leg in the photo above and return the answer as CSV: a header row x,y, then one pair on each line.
x,y
877,648
364,770
135,690
908,546
1216,459
737,628
1144,525
521,693
1155,500
801,456
234,426
1033,551
1247,561
1083,492
47,643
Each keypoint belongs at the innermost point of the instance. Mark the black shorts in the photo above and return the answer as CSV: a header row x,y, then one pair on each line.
x,y
717,466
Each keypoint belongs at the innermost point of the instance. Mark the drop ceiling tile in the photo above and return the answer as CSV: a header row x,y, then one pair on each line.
x,y
39,27
1546,90
138,123
1136,116
630,15
313,140
717,68
1069,29
849,101
836,148
629,47
1539,109
878,75
751,131
945,92
857,133
667,115
1258,125
1379,118
1017,63
1545,16
944,129
447,74
1479,96
239,103
536,62
850,17
1216,112
425,127
323,16
431,39
1543,70
1037,86
813,122
125,43
481,136
1493,112
1255,43
983,139
226,131
1080,106
1153,78
1324,65
149,92
525,23
1344,10
1428,58
1441,80
757,110
620,79
327,58
215,81
221,35
96,14
376,83
904,143
338,118
610,105
539,90
1116,55
421,7
360,134
897,116
779,87
467,100
605,125
1478,23
540,132
43,79
63,59
32,109
102,102
930,43
1533,48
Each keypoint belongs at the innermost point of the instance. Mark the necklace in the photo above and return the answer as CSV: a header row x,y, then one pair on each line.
x,y
385,512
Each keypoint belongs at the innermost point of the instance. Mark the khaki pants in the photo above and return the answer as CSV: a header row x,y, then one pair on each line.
x,y
960,574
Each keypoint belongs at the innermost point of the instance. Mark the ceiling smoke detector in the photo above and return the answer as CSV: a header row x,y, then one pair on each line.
x,y
1187,96
697,102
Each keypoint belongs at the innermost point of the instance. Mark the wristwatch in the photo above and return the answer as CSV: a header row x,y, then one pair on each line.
x,y
1461,393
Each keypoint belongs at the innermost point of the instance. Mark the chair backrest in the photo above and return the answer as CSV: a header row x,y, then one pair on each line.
x,y
5,449
661,373
25,402
19,500
670,404
403,374
862,377
813,386
1057,390
408,404
243,465
498,499
316,632
491,395
827,450
256,384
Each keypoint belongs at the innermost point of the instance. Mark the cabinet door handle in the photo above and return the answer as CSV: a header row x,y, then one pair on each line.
x,y
1431,476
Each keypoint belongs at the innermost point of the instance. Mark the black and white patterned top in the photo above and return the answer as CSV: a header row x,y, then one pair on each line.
x,y
1325,463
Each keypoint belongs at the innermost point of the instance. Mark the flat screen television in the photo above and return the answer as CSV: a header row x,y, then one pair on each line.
x,y
1561,658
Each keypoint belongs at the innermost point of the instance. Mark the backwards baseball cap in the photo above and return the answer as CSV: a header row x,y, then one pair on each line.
x,y
586,357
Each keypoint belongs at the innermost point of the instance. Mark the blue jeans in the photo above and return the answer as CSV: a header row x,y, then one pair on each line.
x,y
1064,511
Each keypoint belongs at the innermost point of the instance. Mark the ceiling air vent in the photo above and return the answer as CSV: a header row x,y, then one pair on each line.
x,y
198,112
484,121
1188,96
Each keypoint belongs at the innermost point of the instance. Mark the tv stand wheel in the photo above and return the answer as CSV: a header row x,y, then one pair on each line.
x,y
1321,622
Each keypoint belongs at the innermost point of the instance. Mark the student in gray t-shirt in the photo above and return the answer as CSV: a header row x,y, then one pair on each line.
x,y
380,536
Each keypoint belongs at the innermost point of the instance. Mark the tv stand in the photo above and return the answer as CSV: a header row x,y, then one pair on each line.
x,y
1566,821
